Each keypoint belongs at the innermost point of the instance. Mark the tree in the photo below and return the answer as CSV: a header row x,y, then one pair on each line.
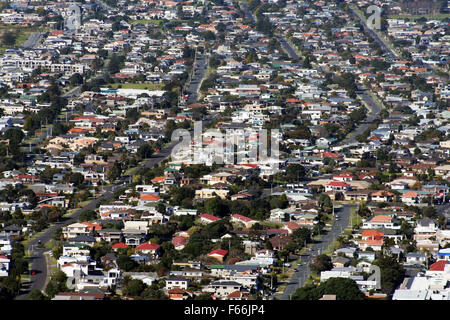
x,y
87,215
343,288
75,178
125,263
9,38
133,287
145,151
76,79
9,288
14,135
391,273
302,235
295,172
56,284
114,171
36,294
322,262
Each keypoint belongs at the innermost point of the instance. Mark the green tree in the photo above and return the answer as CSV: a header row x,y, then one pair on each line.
x,y
9,38
133,287
322,262
114,172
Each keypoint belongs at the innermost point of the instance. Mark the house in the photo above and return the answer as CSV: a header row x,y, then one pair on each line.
x,y
425,229
119,245
218,254
340,262
237,295
443,237
410,198
223,288
75,229
444,254
248,222
178,294
380,221
382,196
179,242
291,226
413,258
207,218
177,282
4,266
358,195
148,198
149,248
337,186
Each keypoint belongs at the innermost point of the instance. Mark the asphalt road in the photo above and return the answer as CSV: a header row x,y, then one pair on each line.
x,y
247,11
33,40
290,51
374,35
199,72
374,111
299,277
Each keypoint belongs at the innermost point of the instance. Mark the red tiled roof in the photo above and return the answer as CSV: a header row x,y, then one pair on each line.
x,y
148,246
220,252
119,245
209,217
149,197
438,266
241,217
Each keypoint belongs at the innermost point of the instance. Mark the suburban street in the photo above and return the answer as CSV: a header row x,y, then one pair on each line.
x,y
198,73
374,111
374,35
33,40
299,277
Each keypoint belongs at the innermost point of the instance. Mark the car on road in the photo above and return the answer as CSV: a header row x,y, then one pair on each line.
x,y
295,270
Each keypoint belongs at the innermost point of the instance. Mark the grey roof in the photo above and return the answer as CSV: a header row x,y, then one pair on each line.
x,y
83,238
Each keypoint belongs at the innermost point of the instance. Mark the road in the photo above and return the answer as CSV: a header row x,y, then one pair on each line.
x,y
199,72
299,277
374,112
247,11
290,51
33,40
391,54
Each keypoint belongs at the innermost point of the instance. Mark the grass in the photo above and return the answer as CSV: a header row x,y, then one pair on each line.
x,y
34,236
354,221
411,17
22,34
70,212
147,86
146,21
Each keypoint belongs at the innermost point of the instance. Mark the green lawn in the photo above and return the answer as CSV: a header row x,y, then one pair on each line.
x,y
440,16
147,86
144,21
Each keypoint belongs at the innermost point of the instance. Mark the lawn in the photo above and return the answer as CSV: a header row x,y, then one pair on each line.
x,y
440,16
144,21
22,34
147,86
